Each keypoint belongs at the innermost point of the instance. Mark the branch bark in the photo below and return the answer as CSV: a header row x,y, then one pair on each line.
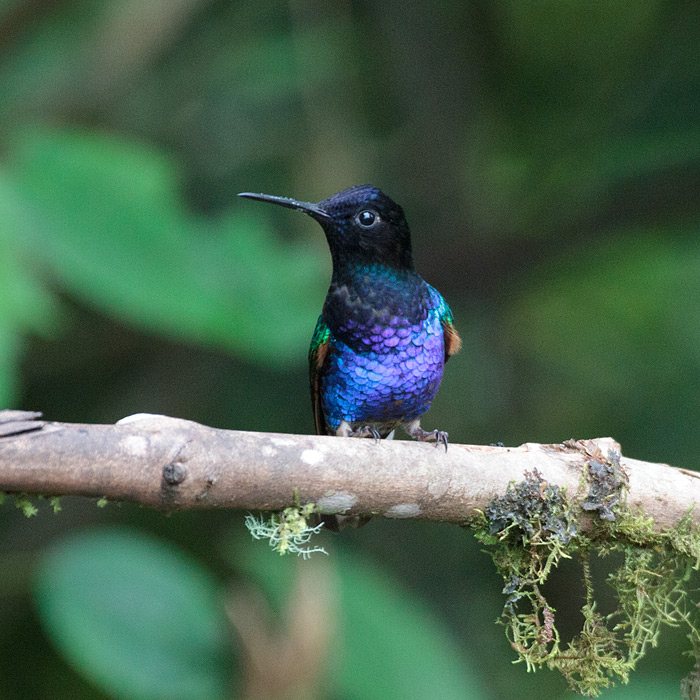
x,y
172,464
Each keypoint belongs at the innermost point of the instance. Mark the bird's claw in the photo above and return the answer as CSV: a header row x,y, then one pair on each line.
x,y
362,431
415,431
367,431
440,437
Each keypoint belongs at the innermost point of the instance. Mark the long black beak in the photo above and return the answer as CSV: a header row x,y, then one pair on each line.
x,y
307,207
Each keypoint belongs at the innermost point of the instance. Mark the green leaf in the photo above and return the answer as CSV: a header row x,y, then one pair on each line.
x,y
108,221
134,615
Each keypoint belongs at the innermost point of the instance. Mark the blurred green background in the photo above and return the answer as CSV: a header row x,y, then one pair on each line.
x,y
547,155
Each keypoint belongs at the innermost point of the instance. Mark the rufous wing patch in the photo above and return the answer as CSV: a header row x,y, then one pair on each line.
x,y
453,342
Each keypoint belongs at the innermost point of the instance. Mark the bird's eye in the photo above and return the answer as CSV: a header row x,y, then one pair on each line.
x,y
367,218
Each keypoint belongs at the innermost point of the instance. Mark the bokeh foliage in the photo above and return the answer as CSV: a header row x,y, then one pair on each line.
x,y
547,155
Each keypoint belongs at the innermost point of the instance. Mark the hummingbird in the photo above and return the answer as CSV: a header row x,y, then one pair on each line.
x,y
384,335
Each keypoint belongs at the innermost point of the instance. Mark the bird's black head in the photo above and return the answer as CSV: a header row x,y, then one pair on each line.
x,y
362,225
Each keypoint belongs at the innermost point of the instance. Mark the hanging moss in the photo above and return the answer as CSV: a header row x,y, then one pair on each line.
x,y
534,525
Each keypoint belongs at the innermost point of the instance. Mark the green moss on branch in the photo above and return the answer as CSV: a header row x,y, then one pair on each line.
x,y
535,525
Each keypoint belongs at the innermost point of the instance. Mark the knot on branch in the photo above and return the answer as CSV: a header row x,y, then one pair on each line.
x,y
174,474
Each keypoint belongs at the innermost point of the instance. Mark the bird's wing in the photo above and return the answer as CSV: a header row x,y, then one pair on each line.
x,y
318,358
453,342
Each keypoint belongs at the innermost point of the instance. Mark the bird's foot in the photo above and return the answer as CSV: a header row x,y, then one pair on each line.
x,y
346,430
366,431
415,431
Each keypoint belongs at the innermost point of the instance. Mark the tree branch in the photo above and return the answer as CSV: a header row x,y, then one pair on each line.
x,y
170,463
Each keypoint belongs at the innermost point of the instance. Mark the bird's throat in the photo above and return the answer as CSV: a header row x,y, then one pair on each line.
x,y
367,295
